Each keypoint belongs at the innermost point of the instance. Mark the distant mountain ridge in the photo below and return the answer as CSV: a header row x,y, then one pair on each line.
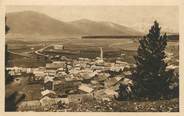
x,y
33,24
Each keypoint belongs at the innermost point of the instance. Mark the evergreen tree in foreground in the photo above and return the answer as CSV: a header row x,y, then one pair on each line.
x,y
151,78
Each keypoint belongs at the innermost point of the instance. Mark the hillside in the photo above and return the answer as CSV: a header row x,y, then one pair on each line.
x,y
33,24
29,23
103,28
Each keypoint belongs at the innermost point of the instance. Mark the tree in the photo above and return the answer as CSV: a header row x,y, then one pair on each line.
x,y
6,46
6,27
123,94
8,78
150,76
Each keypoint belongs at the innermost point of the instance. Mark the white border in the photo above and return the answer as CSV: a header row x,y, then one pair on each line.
x,y
179,3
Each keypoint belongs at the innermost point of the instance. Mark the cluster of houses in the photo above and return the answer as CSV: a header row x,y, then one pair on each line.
x,y
68,82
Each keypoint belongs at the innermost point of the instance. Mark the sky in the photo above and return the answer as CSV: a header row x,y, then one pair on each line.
x,y
137,17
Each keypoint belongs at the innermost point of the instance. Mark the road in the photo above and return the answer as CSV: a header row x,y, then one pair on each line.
x,y
38,52
19,54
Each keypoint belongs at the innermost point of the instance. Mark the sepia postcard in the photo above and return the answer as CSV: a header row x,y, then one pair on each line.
x,y
92,57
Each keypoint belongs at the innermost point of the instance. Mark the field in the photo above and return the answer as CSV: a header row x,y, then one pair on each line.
x,y
112,48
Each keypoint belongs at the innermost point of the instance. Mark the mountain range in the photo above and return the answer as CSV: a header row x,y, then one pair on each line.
x,y
33,24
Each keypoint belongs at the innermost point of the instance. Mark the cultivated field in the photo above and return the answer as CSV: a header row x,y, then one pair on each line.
x,y
85,47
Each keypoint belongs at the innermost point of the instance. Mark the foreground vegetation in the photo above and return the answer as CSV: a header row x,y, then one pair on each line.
x,y
171,105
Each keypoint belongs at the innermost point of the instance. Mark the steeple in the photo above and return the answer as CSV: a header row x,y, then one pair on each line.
x,y
101,53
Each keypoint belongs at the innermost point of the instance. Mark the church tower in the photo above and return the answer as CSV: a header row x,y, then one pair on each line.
x,y
101,54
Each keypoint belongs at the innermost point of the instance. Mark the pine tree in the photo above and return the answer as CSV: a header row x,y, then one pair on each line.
x,y
151,78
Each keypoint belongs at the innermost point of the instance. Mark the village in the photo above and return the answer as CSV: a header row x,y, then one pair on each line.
x,y
66,82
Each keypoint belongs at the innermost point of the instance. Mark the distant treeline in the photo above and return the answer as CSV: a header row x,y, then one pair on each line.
x,y
111,37
174,37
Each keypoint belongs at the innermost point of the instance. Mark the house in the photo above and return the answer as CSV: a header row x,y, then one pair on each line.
x,y
34,105
29,70
107,65
112,81
48,78
51,68
85,88
127,73
75,70
97,68
58,47
110,92
60,69
39,74
67,86
48,93
58,82
51,72
60,75
48,85
102,77
14,71
47,101
121,63
117,68
87,76
48,82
